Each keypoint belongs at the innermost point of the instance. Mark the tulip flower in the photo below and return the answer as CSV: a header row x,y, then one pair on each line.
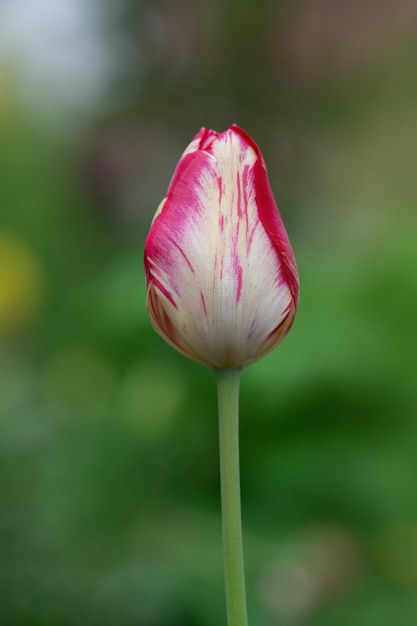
x,y
221,276
222,288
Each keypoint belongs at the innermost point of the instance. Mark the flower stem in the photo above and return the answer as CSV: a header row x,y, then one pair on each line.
x,y
228,381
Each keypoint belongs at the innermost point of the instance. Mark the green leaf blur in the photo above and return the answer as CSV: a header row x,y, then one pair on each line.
x,y
109,478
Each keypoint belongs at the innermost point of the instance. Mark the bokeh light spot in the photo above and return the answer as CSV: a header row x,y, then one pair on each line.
x,y
21,285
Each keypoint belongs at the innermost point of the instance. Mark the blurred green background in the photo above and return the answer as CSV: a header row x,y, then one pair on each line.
x,y
109,480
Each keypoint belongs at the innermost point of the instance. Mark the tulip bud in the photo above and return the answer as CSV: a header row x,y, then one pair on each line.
x,y
222,282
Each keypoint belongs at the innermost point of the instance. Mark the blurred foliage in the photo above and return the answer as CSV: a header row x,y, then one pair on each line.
x,y
109,485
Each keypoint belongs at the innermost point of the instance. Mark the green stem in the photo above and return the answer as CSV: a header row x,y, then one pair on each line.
x,y
228,381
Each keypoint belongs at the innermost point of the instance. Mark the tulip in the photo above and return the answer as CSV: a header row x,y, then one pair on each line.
x,y
222,288
222,282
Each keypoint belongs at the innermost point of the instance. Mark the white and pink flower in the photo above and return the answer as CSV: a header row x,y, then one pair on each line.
x,y
222,282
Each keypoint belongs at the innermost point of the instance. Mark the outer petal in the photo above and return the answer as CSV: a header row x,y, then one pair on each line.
x,y
221,275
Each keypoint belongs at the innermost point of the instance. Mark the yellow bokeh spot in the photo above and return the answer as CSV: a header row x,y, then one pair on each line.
x,y
21,285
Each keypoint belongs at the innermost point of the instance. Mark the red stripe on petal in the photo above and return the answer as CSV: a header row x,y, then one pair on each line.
x,y
280,325
206,138
184,256
203,302
220,185
240,206
275,229
239,274
164,291
270,217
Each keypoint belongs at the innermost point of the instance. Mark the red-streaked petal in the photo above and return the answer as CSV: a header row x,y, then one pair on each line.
x,y
221,275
